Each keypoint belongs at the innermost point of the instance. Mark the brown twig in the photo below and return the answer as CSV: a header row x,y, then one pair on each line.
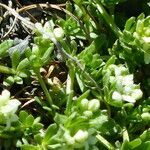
x,y
41,6
31,16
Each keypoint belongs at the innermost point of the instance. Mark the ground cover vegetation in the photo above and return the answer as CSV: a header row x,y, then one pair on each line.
x,y
75,74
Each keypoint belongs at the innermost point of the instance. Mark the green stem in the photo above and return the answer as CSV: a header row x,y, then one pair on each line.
x,y
44,87
107,18
105,142
6,70
69,87
5,136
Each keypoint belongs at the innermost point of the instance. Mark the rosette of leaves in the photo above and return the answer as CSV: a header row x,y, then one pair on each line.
x,y
75,130
134,44
118,84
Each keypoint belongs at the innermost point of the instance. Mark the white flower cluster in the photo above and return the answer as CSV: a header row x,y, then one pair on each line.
x,y
89,106
78,139
123,84
48,31
8,108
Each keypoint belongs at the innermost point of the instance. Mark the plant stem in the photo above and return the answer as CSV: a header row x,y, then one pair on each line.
x,y
69,87
5,136
6,70
125,135
44,87
108,18
105,142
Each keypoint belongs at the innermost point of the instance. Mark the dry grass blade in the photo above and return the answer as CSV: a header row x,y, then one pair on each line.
x,y
26,22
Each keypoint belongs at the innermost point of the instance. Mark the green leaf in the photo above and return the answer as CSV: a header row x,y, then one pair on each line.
x,y
37,126
129,23
135,143
15,58
22,116
4,47
51,131
9,81
23,64
80,82
29,121
60,119
18,80
38,138
46,55
110,61
145,136
29,147
144,146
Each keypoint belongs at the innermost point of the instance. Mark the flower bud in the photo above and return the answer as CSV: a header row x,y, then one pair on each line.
x,y
59,33
88,113
84,103
81,136
93,105
146,116
146,109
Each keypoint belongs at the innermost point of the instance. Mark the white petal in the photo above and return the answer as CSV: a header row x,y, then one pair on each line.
x,y
127,80
116,96
4,97
127,90
137,94
128,98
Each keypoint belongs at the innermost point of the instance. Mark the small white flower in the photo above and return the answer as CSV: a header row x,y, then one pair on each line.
x,y
59,33
11,107
137,94
116,96
93,105
127,80
81,136
4,97
128,98
127,90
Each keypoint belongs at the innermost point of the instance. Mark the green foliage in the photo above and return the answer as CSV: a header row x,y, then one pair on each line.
x,y
81,82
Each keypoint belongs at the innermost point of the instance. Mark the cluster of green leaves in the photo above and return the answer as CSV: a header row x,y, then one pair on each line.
x,y
103,100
